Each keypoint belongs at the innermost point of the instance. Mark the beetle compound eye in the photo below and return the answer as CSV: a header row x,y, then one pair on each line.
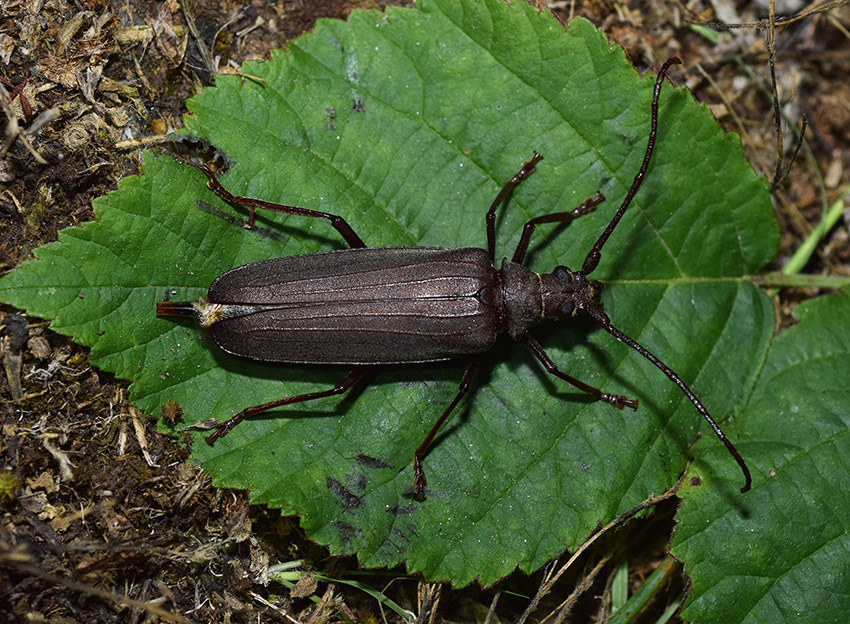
x,y
564,275
568,309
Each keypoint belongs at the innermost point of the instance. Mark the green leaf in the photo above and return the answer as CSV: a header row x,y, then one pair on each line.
x,y
407,124
780,553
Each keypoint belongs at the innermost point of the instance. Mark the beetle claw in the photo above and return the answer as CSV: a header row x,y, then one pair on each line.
x,y
619,401
417,491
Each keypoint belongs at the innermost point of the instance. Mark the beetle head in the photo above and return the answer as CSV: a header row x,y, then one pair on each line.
x,y
565,293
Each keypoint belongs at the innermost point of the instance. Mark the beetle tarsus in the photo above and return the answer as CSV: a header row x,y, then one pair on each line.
x,y
222,429
619,401
527,169
417,492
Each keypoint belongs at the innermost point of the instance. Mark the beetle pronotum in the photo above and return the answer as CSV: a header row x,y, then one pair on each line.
x,y
407,305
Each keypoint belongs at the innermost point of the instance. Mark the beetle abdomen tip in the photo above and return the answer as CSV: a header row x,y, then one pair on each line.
x,y
175,308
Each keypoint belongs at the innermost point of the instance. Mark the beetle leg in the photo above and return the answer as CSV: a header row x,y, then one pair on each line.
x,y
419,481
537,351
588,205
339,224
222,429
507,189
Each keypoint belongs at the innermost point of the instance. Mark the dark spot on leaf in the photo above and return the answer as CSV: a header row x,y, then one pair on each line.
x,y
349,499
401,510
367,461
695,481
356,481
626,139
396,544
413,494
405,536
357,107
347,534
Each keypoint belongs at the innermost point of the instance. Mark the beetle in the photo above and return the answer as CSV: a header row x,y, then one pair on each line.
x,y
368,306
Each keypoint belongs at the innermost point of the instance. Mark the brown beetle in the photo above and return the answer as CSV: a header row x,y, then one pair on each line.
x,y
406,305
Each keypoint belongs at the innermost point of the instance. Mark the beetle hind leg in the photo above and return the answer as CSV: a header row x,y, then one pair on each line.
x,y
339,224
222,429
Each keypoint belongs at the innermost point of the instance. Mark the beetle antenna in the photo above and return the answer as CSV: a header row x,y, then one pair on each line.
x,y
601,319
595,253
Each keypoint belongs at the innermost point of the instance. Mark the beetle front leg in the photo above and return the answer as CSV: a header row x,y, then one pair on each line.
x,y
588,205
222,429
537,351
419,481
339,224
507,189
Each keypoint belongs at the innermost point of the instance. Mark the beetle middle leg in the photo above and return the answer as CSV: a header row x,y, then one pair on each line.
x,y
222,429
537,351
339,224
588,205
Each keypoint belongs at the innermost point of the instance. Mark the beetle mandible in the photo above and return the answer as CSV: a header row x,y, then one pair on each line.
x,y
406,305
